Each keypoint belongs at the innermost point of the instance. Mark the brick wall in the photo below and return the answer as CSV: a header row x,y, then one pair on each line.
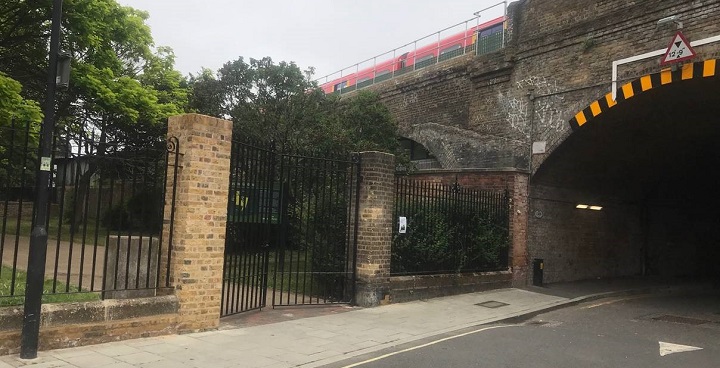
x,y
377,198
581,244
409,288
565,48
198,240
484,112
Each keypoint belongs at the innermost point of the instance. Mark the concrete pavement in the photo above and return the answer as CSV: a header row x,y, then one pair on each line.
x,y
316,341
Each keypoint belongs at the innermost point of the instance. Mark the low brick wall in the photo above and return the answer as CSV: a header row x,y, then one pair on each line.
x,y
75,324
409,288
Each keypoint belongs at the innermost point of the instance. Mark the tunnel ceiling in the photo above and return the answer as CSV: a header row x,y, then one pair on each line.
x,y
661,146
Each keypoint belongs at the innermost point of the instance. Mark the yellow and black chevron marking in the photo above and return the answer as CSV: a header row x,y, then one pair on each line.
x,y
702,69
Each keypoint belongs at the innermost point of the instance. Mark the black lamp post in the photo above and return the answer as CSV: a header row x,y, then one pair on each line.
x,y
39,235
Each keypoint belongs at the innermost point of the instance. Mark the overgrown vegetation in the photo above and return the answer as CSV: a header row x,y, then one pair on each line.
x,y
449,238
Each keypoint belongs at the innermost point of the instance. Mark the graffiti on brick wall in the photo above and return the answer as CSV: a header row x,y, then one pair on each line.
x,y
409,99
548,116
515,111
514,106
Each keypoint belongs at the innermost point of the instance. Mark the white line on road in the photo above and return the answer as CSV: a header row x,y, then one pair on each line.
x,y
615,301
423,345
667,348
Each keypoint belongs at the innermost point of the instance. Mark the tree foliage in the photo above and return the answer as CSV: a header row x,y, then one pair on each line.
x,y
279,102
119,84
122,88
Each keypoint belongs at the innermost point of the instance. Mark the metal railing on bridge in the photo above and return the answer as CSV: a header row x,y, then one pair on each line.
x,y
423,52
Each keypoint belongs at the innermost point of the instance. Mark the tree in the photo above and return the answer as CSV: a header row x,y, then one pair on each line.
x,y
121,90
18,128
118,83
279,102
13,105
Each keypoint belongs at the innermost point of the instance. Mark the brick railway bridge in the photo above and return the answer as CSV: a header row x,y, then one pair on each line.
x,y
537,118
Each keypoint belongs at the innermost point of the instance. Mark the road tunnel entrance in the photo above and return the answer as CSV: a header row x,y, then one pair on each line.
x,y
652,162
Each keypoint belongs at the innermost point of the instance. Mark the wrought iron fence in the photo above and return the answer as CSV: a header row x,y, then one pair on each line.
x,y
448,229
290,229
105,220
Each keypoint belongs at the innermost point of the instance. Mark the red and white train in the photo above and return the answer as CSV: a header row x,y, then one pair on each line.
x,y
448,47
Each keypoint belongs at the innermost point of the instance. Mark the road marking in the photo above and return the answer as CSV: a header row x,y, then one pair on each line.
x,y
422,346
667,348
615,301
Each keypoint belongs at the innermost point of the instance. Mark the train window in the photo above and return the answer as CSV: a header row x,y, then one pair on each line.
x,y
426,57
382,72
491,31
450,49
339,86
365,79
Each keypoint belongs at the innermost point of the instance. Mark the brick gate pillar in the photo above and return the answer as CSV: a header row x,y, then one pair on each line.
x,y
377,197
198,241
518,230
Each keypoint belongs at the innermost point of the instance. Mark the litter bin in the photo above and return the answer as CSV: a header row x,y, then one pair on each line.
x,y
538,266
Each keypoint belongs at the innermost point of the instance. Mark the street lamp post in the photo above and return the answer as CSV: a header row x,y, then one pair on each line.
x,y
39,235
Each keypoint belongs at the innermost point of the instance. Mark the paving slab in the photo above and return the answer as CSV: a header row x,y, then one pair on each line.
x,y
324,337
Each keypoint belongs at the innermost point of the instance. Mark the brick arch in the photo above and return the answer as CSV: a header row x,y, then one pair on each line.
x,y
701,69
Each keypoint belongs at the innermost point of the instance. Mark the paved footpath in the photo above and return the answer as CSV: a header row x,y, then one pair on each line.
x,y
307,342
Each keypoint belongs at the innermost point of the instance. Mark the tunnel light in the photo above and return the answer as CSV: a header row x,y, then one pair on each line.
x,y
589,207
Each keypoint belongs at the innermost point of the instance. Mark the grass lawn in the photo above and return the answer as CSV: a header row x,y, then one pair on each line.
x,y
18,297
294,275
26,229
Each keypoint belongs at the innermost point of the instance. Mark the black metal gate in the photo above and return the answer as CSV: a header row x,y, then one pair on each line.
x,y
290,229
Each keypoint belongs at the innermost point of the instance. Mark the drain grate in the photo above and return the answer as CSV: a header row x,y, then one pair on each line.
x,y
679,319
492,304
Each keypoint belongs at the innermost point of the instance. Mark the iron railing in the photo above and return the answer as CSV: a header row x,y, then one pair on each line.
x,y
448,229
371,70
105,220
290,228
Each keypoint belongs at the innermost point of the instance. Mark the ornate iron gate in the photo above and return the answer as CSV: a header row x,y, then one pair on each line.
x,y
290,229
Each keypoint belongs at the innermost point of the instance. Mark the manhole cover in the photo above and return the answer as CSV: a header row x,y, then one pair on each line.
x,y
492,304
679,319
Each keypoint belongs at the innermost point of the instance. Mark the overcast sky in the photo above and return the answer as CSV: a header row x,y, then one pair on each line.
x,y
326,34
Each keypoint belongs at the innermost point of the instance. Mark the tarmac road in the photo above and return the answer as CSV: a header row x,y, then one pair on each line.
x,y
651,330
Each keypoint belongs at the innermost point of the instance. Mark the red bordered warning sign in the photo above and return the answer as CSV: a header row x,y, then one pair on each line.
x,y
678,50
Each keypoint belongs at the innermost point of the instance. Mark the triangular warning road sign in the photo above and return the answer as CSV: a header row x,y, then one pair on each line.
x,y
667,348
678,50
